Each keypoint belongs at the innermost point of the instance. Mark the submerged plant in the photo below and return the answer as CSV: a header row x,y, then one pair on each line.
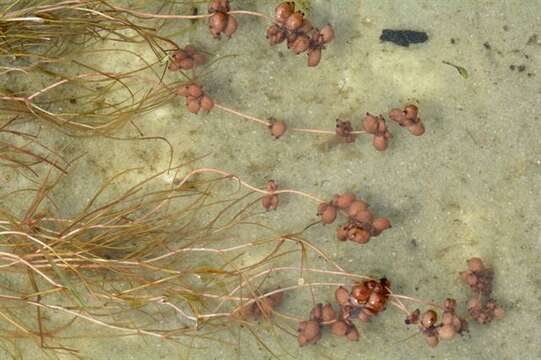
x,y
52,40
23,151
122,256
174,256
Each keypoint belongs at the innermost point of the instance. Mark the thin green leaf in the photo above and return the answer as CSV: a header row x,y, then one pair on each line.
x,y
461,70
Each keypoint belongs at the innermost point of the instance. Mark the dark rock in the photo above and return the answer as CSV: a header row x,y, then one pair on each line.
x,y
403,37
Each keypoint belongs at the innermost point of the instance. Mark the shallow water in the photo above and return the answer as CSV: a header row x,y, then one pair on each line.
x,y
470,186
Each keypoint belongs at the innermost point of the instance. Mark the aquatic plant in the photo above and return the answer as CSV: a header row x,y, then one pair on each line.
x,y
368,298
108,100
121,256
22,151
173,246
51,40
198,100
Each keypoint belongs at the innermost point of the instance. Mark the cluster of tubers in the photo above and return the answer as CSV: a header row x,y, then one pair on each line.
x,y
479,277
451,324
377,127
196,99
270,201
369,297
366,299
259,308
361,225
288,25
408,118
291,26
221,22
344,130
186,59
483,311
325,315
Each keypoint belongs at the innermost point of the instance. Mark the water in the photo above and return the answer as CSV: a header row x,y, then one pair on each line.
x,y
468,187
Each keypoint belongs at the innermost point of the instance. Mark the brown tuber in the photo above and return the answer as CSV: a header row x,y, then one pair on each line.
x,y
370,124
381,224
231,26
193,105
339,328
314,57
206,103
356,206
446,332
429,318
218,5
342,296
284,11
327,313
217,23
270,201
344,201
359,235
309,332
316,312
277,128
364,216
413,318
353,334
327,212
261,308
327,32
275,34
342,233
294,21
380,143
301,44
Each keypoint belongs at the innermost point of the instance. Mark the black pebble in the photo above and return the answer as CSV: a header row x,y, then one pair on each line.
x,y
403,37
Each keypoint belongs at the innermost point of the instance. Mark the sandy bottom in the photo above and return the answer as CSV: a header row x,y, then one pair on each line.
x,y
469,187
